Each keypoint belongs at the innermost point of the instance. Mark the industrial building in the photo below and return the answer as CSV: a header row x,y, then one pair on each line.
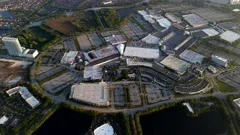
x,y
230,36
141,50
92,73
173,18
69,57
219,61
14,48
115,39
225,1
192,57
105,129
150,39
195,21
237,102
175,64
25,94
96,94
101,56
135,62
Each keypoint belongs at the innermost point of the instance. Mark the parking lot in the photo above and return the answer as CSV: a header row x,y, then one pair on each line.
x,y
69,44
134,95
212,15
95,39
231,78
59,83
119,95
83,42
49,73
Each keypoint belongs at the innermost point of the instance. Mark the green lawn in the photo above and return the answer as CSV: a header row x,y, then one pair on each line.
x,y
225,88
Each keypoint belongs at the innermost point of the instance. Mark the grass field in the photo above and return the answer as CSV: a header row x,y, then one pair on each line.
x,y
225,88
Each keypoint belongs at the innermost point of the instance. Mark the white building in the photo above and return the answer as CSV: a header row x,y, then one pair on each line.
x,y
220,61
105,129
3,120
237,102
192,57
230,36
226,1
25,94
15,49
69,57
13,46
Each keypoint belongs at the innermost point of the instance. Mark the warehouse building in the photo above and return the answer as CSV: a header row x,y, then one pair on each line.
x,y
69,57
96,94
101,56
230,36
220,61
192,57
92,73
150,39
175,64
141,50
195,21
115,40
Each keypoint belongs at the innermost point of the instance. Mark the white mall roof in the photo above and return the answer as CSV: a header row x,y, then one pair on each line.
x,y
237,102
94,73
176,64
164,22
191,56
210,32
3,120
230,36
105,129
148,53
150,39
120,48
91,93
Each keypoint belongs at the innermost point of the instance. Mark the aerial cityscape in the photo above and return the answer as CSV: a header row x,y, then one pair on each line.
x,y
120,67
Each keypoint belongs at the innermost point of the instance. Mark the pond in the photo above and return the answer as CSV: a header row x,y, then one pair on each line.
x,y
66,122
175,121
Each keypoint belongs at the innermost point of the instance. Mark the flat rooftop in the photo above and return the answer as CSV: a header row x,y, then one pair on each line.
x,y
237,102
150,39
195,20
230,36
191,56
141,52
91,93
115,39
69,57
94,73
176,64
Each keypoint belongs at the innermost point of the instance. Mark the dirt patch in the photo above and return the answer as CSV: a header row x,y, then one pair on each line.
x,y
63,25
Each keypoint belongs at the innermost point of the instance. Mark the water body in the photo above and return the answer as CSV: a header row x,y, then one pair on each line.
x,y
6,15
174,121
66,122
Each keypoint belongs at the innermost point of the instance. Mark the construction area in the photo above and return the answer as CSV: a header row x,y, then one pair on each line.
x,y
12,71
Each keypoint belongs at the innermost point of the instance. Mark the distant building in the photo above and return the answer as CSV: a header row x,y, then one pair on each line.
x,y
173,18
212,69
15,49
105,129
220,61
13,46
92,73
3,120
237,102
115,39
230,36
225,1
69,57
195,21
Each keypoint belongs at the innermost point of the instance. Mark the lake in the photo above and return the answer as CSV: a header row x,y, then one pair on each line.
x,y
175,121
66,122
